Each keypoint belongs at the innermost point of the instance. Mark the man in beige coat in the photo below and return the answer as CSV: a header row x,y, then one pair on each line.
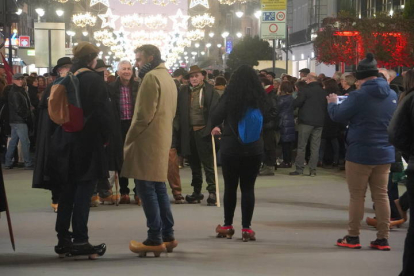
x,y
147,147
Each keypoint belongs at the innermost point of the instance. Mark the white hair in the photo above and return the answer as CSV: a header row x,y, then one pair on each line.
x,y
123,62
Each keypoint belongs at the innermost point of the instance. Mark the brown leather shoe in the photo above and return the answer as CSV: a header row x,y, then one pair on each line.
x,y
137,200
125,199
224,231
179,199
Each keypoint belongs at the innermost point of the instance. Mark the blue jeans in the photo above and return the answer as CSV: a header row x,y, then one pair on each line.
x,y
157,209
19,132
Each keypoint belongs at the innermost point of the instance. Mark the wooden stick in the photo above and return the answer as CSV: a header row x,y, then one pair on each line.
x,y
116,188
215,172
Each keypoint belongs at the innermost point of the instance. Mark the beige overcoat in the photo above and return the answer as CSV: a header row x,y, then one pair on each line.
x,y
149,138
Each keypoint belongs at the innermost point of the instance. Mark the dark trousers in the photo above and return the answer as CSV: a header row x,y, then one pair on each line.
x,y
408,264
246,169
335,149
201,153
157,209
74,204
393,195
404,202
270,140
56,192
287,152
123,181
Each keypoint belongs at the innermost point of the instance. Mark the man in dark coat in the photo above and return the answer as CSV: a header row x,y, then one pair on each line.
x,y
124,92
78,159
194,104
312,105
19,118
46,127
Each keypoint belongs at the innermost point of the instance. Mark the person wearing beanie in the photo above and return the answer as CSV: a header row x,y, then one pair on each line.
x,y
79,160
367,112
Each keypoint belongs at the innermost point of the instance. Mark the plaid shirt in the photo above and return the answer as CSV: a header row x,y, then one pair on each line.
x,y
125,103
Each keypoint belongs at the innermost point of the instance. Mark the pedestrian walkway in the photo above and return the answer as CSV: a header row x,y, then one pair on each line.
x,y
297,221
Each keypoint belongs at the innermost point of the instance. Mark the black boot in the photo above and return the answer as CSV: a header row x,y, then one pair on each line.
x,y
88,249
194,198
63,247
212,199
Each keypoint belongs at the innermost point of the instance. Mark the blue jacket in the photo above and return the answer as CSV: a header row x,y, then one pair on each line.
x,y
367,112
287,119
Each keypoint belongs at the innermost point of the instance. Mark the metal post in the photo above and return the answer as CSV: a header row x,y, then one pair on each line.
x,y
287,49
50,50
274,56
225,54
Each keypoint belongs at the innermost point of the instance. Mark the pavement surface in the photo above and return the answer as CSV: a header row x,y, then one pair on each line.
x,y
297,221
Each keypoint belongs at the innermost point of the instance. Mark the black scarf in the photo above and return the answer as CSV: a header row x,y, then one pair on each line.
x,y
146,68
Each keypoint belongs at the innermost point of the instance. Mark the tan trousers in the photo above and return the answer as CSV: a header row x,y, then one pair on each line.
x,y
174,173
359,176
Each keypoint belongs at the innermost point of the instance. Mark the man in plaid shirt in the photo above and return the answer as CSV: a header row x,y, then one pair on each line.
x,y
125,91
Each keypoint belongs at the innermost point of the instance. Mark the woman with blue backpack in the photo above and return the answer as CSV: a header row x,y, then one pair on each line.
x,y
242,108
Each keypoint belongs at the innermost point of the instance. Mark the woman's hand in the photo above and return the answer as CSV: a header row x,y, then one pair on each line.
x,y
332,98
216,131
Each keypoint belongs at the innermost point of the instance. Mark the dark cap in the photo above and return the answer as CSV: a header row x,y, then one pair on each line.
x,y
18,76
367,67
304,70
100,64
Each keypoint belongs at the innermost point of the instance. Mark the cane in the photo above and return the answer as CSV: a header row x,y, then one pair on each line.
x,y
116,188
215,171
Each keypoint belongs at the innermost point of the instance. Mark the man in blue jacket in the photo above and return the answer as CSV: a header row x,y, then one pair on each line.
x,y
367,112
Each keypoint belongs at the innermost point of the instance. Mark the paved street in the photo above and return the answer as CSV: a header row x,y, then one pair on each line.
x,y
297,221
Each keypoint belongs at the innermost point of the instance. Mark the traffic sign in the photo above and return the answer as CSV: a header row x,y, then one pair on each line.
x,y
271,5
273,24
24,41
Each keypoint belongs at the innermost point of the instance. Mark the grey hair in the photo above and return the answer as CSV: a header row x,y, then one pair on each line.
x,y
123,62
392,73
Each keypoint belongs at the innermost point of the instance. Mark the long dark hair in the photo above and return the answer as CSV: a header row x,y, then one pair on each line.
x,y
245,90
408,83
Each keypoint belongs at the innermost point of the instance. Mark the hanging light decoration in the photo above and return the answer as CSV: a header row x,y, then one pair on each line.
x,y
203,20
132,2
83,19
132,20
164,3
231,2
183,42
195,35
117,49
65,1
102,35
109,42
156,21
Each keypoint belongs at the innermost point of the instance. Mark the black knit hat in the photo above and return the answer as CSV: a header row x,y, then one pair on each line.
x,y
367,67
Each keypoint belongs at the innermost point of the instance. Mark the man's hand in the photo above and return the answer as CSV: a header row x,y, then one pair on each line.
x,y
216,131
332,98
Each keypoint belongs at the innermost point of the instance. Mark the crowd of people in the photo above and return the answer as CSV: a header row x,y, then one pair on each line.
x,y
143,124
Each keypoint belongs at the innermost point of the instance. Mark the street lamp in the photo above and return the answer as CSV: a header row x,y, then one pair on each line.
x,y
239,14
211,34
257,14
71,34
40,12
225,35
19,11
59,12
239,34
85,33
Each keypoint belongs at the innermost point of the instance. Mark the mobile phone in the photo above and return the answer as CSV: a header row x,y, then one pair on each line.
x,y
341,99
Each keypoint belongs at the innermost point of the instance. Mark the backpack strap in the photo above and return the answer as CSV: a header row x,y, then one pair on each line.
x,y
82,70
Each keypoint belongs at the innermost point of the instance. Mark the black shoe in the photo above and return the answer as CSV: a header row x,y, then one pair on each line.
x,y
349,242
87,249
212,199
312,174
8,167
295,173
63,247
194,198
148,242
29,168
380,244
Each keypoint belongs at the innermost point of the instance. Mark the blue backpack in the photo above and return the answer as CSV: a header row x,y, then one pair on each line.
x,y
250,126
